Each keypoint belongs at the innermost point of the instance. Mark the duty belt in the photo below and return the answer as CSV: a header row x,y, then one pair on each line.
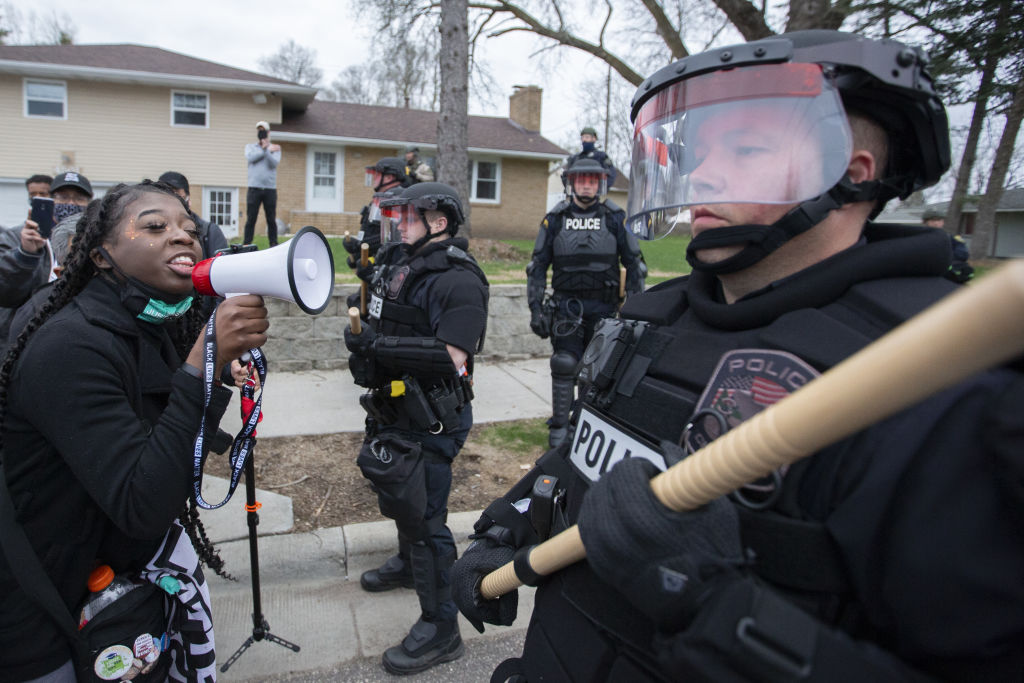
x,y
404,404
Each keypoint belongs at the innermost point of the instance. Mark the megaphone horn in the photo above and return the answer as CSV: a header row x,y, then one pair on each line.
x,y
301,271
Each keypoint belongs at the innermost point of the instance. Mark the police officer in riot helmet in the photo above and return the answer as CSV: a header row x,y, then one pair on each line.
x,y
386,174
893,555
582,239
588,142
427,318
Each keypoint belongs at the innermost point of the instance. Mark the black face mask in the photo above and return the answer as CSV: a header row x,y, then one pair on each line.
x,y
144,301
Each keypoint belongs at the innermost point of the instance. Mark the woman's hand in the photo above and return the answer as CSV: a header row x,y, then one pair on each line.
x,y
241,325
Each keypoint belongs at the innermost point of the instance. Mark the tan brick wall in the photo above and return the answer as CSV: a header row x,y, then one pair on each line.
x,y
522,206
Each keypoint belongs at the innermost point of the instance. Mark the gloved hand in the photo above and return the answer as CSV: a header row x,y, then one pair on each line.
x,y
664,562
366,272
540,323
480,559
363,369
362,343
352,261
352,245
353,300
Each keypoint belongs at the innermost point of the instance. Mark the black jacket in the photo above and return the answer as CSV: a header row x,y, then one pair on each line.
x,y
97,453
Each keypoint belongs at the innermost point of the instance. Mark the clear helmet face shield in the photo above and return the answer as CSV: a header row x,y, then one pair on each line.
x,y
586,185
766,134
390,217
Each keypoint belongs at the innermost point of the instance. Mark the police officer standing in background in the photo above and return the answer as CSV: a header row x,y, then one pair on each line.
x,y
583,239
418,171
385,175
427,318
893,555
588,142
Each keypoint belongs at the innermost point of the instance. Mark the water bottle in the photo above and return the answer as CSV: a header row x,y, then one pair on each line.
x,y
105,588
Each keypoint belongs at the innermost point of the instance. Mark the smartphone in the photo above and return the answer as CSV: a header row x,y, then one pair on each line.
x,y
42,214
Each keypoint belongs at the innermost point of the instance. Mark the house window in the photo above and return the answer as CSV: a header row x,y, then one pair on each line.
x,y
325,175
190,109
220,206
46,99
485,181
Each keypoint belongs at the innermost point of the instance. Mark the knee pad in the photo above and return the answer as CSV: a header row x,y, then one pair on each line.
x,y
563,364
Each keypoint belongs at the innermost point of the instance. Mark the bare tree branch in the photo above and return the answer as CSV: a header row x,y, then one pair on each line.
x,y
668,32
747,19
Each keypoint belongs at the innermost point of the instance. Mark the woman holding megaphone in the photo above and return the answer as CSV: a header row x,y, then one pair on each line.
x,y
101,399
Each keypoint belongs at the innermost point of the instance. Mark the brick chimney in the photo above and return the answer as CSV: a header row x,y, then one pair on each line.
x,y
524,106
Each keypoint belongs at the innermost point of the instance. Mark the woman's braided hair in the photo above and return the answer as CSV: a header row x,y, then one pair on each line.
x,y
96,225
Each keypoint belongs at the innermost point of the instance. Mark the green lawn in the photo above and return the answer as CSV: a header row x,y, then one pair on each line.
x,y
666,258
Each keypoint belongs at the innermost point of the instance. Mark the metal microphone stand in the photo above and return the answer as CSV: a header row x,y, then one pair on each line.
x,y
260,627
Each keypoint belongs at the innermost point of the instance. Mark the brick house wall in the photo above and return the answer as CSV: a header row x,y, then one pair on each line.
x,y
523,202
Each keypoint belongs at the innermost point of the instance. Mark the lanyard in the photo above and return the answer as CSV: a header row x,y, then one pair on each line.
x,y
242,447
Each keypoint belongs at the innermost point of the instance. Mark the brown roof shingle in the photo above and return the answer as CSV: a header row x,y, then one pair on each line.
x,y
126,57
344,119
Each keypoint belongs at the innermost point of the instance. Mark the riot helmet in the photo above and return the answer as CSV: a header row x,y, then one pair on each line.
x,y
414,202
766,123
589,130
392,166
586,180
388,230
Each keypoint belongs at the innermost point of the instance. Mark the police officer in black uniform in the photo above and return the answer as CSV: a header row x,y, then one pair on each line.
x,y
588,142
893,555
427,317
386,175
582,239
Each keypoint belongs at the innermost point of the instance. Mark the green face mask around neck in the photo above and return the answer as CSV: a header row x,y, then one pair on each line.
x,y
157,311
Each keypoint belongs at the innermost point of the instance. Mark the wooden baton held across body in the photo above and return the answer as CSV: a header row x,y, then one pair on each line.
x,y
976,328
353,320
364,260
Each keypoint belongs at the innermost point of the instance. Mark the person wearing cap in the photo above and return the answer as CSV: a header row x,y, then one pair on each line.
x,y
427,319
211,237
960,270
894,554
27,259
262,156
417,171
588,142
583,240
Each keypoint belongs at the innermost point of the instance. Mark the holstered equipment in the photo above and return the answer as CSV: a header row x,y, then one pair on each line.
x,y
394,468
404,404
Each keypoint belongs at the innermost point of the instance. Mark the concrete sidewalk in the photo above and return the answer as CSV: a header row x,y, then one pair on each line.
x,y
309,582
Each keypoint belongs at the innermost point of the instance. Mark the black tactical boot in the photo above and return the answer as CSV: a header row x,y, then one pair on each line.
x,y
395,573
427,644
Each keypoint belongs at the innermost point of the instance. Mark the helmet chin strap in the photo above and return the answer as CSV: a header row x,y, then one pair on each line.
x,y
762,240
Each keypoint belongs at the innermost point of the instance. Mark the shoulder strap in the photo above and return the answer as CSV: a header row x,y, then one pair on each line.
x,y
28,570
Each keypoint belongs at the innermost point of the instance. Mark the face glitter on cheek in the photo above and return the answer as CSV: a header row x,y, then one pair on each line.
x,y
130,231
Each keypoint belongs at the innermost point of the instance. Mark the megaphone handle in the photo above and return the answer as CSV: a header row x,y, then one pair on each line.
x,y
246,357
353,320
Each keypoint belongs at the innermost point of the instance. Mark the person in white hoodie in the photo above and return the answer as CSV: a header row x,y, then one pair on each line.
x,y
263,156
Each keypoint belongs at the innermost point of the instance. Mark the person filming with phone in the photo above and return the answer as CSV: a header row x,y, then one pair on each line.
x,y
26,257
263,156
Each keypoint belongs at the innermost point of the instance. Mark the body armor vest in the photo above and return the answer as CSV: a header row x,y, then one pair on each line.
x,y
585,254
650,377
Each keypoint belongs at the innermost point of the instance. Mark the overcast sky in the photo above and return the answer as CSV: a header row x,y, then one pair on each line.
x,y
239,33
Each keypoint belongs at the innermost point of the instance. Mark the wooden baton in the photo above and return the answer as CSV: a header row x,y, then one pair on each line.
x,y
976,328
364,260
353,320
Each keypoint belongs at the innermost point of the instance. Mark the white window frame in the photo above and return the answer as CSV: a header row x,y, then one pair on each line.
x,y
45,81
190,92
230,229
475,176
320,205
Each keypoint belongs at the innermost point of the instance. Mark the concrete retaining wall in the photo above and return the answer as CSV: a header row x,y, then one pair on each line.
x,y
303,342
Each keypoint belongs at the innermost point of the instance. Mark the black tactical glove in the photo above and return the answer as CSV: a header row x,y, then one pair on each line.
x,y
352,245
366,272
352,261
664,562
353,300
361,343
540,323
363,369
480,559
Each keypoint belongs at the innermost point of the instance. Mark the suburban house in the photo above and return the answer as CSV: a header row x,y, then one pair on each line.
x,y
120,113
1009,238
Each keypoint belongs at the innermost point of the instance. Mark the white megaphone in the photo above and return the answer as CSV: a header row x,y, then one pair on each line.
x,y
301,271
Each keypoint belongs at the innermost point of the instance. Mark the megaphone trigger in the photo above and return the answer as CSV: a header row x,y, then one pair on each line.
x,y
300,270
